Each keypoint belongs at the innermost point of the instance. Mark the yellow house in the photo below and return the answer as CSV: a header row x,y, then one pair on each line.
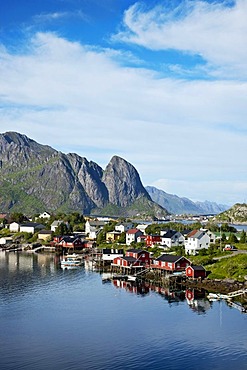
x,y
45,234
112,236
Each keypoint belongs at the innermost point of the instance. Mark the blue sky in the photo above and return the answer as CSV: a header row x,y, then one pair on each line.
x,y
162,84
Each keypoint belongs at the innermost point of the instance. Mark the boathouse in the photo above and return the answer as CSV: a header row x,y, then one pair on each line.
x,y
71,242
127,262
139,254
171,263
196,272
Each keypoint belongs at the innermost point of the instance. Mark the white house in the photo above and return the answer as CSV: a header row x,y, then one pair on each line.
x,y
124,226
142,227
45,215
172,238
31,227
92,228
108,254
196,240
14,227
132,235
55,225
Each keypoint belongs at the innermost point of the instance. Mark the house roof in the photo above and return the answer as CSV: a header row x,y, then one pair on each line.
x,y
32,224
134,250
133,231
169,258
169,234
197,267
45,232
97,223
196,234
56,223
129,259
112,251
69,239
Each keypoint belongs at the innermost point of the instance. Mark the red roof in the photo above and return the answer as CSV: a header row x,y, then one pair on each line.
x,y
193,232
132,231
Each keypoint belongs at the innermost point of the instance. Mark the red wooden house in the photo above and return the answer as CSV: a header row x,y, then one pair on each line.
x,y
71,242
152,240
140,255
196,272
171,263
127,262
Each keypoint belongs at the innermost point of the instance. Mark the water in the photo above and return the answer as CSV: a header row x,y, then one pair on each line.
x,y
68,319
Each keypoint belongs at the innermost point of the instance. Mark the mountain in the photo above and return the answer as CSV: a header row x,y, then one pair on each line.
x,y
177,205
236,214
36,177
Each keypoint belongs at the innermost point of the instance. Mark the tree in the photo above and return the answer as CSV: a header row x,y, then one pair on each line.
x,y
223,237
243,237
122,238
17,217
232,238
63,229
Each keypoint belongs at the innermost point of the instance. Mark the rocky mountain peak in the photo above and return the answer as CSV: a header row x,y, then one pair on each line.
x,y
36,177
123,182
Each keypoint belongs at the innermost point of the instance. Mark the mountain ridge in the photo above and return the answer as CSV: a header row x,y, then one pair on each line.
x,y
182,205
36,177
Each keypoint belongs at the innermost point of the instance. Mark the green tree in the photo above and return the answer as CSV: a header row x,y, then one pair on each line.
x,y
243,237
17,217
223,237
122,238
232,238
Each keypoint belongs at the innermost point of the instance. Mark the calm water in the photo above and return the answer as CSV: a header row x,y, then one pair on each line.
x,y
68,319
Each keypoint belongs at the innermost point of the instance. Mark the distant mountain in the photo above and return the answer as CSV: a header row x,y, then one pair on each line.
x,y
35,177
177,205
236,214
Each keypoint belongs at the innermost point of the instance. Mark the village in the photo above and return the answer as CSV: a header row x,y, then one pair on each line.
x,y
125,246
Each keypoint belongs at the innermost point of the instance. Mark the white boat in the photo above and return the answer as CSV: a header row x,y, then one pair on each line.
x,y
132,278
71,260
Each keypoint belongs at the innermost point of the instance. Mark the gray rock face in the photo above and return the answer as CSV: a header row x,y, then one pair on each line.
x,y
89,175
123,182
35,177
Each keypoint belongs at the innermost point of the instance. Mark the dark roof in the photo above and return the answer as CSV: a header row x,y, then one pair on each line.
x,y
169,258
69,239
32,224
169,234
198,267
129,259
134,250
112,251
45,232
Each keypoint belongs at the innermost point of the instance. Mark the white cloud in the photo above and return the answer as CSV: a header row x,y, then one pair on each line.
x,y
215,31
57,16
79,99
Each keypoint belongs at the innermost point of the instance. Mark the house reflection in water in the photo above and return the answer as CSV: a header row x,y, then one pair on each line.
x,y
132,287
196,299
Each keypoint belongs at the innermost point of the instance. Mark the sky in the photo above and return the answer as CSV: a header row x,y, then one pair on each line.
x,y
162,84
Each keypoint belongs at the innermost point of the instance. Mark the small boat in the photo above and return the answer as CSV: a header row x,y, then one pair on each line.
x,y
71,260
217,296
132,278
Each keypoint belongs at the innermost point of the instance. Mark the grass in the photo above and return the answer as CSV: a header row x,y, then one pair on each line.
x,y
234,267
